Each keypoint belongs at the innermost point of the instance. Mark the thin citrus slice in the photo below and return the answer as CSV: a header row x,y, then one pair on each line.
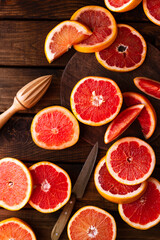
x,y
51,187
126,53
62,37
152,10
55,128
148,86
114,191
15,184
147,117
90,223
15,229
122,122
144,213
121,6
103,27
130,160
96,100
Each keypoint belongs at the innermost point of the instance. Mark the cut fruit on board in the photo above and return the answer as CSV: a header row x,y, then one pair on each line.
x,y
92,223
51,187
55,128
16,184
112,190
147,117
130,160
144,213
121,6
95,100
152,10
15,229
102,24
123,120
126,53
62,37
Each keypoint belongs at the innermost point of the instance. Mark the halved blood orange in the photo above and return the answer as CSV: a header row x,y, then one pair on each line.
x,y
90,223
62,37
143,213
122,122
96,100
152,10
102,24
55,128
126,53
114,191
148,86
147,117
121,6
15,184
51,187
130,160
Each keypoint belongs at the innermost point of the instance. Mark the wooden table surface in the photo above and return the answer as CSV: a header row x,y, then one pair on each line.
x,y
23,28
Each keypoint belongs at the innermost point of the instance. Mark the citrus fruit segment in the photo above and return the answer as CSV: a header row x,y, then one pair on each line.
x,y
62,37
55,128
130,160
143,213
15,184
121,6
122,122
103,27
148,86
151,9
126,53
96,100
90,223
147,117
15,229
112,190
51,187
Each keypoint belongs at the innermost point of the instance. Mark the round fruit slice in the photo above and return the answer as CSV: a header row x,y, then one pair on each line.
x,y
15,184
96,100
103,27
121,6
148,86
151,9
147,117
55,128
51,187
130,160
15,229
144,213
126,53
91,223
114,191
122,122
62,37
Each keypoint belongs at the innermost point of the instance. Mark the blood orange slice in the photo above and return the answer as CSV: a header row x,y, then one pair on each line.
x,y
102,24
51,187
114,191
151,9
122,122
126,53
148,86
121,6
55,128
96,100
62,37
15,229
144,213
90,223
147,117
15,184
130,160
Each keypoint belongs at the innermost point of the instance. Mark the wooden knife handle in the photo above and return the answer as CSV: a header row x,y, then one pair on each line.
x,y
63,218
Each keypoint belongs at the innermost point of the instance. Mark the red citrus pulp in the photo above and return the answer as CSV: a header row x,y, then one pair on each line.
x,y
152,10
121,6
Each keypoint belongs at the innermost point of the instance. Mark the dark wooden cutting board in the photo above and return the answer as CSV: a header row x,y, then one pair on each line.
x,y
82,65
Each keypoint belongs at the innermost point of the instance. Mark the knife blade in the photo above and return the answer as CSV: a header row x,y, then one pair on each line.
x,y
77,192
